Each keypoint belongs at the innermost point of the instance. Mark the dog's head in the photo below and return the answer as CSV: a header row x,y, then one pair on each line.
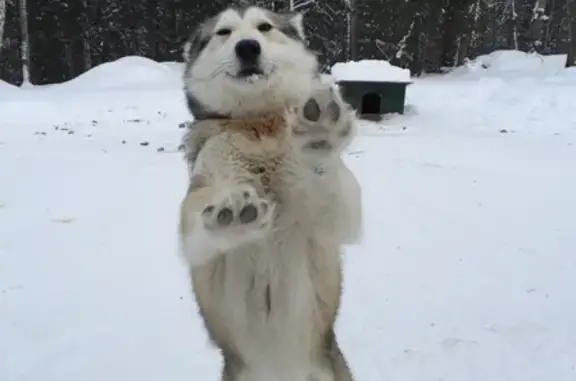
x,y
247,61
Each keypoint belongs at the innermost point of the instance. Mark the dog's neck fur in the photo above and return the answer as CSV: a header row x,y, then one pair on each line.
x,y
201,113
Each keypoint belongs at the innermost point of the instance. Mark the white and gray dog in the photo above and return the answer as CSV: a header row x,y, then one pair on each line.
x,y
265,217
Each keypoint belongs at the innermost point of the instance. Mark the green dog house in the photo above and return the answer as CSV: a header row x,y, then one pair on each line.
x,y
374,90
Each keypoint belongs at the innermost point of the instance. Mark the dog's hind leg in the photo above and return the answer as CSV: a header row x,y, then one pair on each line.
x,y
333,361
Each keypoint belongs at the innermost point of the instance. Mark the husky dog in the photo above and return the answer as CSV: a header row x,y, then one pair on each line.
x,y
270,201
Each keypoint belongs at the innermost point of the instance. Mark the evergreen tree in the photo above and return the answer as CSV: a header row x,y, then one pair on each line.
x,y
68,37
2,20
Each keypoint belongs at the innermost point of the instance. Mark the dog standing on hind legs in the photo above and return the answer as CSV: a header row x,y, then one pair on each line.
x,y
270,202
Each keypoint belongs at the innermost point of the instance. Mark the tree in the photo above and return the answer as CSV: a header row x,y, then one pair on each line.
x,y
326,25
538,22
2,19
25,48
352,30
571,8
456,31
56,40
513,22
87,21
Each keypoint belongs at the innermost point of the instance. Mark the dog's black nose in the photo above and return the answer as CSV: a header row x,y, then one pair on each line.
x,y
248,50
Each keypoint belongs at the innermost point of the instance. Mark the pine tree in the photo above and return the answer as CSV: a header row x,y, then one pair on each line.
x,y
538,25
60,39
326,24
456,31
2,21
25,48
571,16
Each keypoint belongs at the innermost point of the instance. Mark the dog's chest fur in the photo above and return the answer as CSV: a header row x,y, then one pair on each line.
x,y
271,297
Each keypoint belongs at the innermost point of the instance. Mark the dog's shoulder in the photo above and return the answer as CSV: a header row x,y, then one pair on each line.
x,y
197,134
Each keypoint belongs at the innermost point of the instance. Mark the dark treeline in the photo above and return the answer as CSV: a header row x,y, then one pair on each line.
x,y
68,37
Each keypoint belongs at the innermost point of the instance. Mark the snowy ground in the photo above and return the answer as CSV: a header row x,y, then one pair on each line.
x,y
467,271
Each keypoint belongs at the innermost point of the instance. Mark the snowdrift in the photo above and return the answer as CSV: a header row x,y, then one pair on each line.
x,y
127,72
369,70
507,63
7,89
177,67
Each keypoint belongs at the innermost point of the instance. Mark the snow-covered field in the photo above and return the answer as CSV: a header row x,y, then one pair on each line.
x,y
467,271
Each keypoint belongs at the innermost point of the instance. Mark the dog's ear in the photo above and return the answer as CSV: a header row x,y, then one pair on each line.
x,y
296,21
198,40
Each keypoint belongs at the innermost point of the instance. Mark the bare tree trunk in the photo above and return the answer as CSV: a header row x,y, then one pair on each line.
x,y
463,46
403,55
514,25
351,32
297,5
537,23
476,12
87,36
2,19
511,16
353,29
25,43
456,28
468,19
87,53
571,59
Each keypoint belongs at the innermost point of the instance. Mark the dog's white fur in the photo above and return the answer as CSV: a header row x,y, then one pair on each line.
x,y
269,290
293,248
286,80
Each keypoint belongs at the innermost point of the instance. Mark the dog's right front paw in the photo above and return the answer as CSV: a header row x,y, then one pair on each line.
x,y
238,214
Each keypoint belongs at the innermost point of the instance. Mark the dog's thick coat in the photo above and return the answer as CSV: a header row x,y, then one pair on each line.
x,y
269,206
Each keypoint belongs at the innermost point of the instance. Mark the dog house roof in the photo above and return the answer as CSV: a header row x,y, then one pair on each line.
x,y
369,71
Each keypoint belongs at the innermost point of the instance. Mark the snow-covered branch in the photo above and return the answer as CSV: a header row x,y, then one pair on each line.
x,y
296,5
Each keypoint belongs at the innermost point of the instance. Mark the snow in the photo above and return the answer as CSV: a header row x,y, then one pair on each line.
x,y
7,89
513,63
178,67
466,270
136,72
327,79
369,70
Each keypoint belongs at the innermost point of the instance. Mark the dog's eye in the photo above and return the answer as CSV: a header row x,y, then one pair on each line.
x,y
265,27
224,32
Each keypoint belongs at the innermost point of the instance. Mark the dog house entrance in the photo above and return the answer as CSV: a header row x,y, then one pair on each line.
x,y
371,103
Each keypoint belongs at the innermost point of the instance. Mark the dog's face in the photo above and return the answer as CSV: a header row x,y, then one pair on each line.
x,y
249,60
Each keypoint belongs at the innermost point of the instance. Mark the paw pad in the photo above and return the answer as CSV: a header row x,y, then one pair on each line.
x,y
248,214
208,210
319,144
333,111
311,110
225,217
241,207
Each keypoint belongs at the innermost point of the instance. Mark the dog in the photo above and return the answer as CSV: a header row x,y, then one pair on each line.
x,y
270,202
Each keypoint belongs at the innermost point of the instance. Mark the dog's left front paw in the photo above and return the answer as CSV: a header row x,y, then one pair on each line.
x,y
324,123
237,215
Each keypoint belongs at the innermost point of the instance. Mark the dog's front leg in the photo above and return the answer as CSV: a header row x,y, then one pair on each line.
x,y
323,127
